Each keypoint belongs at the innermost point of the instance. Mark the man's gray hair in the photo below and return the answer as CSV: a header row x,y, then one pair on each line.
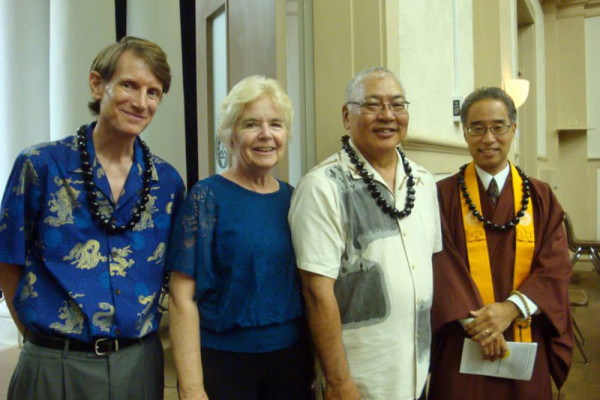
x,y
494,93
355,85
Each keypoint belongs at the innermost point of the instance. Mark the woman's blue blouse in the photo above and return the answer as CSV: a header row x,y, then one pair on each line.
x,y
236,244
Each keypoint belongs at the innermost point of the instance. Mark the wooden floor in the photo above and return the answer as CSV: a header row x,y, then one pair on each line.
x,y
583,382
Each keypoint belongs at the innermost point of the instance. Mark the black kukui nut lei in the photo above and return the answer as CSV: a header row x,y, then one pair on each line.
x,y
91,189
525,187
372,187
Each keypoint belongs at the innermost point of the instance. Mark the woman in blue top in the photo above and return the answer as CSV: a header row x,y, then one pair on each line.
x,y
235,303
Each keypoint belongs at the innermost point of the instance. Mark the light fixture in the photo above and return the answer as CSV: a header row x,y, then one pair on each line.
x,y
518,89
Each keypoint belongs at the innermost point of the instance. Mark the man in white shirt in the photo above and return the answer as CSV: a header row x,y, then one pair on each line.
x,y
365,224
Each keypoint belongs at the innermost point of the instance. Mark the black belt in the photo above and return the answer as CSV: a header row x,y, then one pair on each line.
x,y
100,346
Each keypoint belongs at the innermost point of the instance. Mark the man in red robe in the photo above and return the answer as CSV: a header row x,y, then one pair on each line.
x,y
531,293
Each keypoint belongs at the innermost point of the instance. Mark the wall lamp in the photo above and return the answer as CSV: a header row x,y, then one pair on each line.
x,y
518,89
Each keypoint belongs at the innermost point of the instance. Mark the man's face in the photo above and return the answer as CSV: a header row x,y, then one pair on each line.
x,y
129,100
376,134
489,151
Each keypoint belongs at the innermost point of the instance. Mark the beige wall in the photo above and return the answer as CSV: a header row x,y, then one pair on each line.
x,y
592,63
568,82
530,64
417,40
572,177
159,21
571,72
413,41
526,145
493,38
348,37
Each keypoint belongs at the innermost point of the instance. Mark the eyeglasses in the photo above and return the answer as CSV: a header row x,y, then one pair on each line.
x,y
374,107
496,129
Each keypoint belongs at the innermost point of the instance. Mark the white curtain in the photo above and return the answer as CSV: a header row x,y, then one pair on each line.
x,y
78,30
46,49
24,83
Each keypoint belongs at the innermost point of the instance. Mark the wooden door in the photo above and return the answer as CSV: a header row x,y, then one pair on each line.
x,y
255,44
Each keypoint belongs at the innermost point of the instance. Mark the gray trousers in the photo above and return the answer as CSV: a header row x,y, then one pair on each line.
x,y
133,373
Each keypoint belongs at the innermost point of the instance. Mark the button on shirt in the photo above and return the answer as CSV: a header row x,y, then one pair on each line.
x,y
77,280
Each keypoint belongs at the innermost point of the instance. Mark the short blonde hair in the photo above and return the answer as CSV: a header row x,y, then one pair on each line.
x,y
244,92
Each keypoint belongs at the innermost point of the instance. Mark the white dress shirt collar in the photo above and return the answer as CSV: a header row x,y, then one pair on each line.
x,y
486,177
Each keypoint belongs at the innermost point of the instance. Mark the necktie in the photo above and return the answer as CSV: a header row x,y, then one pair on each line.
x,y
493,192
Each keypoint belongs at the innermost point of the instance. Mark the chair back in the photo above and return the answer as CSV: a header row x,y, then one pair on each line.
x,y
571,240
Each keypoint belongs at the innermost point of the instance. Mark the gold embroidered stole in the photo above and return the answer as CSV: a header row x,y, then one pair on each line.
x,y
477,250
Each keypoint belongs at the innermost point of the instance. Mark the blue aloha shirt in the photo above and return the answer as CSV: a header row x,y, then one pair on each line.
x,y
79,281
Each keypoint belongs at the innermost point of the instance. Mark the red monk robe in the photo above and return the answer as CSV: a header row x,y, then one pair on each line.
x,y
455,294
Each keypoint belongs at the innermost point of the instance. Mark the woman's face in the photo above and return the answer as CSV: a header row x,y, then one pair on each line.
x,y
260,136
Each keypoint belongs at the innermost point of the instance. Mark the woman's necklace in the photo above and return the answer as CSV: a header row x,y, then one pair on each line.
x,y
92,191
525,187
372,186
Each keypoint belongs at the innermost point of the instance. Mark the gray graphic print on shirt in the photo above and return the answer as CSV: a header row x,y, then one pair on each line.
x,y
360,288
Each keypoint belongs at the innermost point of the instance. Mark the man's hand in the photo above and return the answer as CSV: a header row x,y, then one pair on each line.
x,y
491,321
323,315
495,350
345,390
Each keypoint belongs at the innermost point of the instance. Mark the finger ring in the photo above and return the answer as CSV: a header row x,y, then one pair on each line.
x,y
488,332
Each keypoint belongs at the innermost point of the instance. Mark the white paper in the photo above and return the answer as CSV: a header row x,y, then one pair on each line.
x,y
518,364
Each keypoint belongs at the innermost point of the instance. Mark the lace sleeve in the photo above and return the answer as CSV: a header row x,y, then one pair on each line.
x,y
191,244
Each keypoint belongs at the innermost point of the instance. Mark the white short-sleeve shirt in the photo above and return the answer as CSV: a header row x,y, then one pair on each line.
x,y
382,266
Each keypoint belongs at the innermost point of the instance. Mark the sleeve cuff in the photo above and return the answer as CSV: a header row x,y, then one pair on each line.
x,y
533,308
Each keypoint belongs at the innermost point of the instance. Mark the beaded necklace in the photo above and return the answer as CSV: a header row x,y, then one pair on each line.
x,y
367,178
525,187
92,190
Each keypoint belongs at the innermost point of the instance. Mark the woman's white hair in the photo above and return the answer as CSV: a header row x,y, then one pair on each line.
x,y
244,92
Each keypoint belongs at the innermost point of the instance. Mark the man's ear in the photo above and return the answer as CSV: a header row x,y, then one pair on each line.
x,y
96,85
345,116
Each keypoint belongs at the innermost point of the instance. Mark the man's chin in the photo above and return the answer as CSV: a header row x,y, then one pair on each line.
x,y
490,165
134,129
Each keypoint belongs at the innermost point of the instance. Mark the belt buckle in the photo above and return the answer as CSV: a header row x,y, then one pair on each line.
x,y
101,340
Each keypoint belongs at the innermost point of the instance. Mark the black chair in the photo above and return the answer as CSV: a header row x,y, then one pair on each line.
x,y
579,297
580,247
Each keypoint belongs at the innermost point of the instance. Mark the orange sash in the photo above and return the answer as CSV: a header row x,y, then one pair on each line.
x,y
477,250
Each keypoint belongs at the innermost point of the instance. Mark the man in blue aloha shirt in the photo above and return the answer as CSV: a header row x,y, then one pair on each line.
x,y
84,225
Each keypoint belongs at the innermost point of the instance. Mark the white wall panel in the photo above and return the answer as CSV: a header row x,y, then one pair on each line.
x,y
427,56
